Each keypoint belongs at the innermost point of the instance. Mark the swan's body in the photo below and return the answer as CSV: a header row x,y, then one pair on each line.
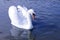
x,y
20,17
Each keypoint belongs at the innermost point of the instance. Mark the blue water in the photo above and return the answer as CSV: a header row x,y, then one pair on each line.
x,y
47,22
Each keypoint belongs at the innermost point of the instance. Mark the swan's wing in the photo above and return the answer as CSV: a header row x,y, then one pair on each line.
x,y
12,12
22,14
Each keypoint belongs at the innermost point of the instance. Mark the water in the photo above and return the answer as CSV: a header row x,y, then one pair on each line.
x,y
47,23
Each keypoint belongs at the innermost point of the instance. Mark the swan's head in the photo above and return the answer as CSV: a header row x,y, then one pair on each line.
x,y
31,11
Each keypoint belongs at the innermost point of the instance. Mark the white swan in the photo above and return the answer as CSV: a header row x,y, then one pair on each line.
x,y
20,17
